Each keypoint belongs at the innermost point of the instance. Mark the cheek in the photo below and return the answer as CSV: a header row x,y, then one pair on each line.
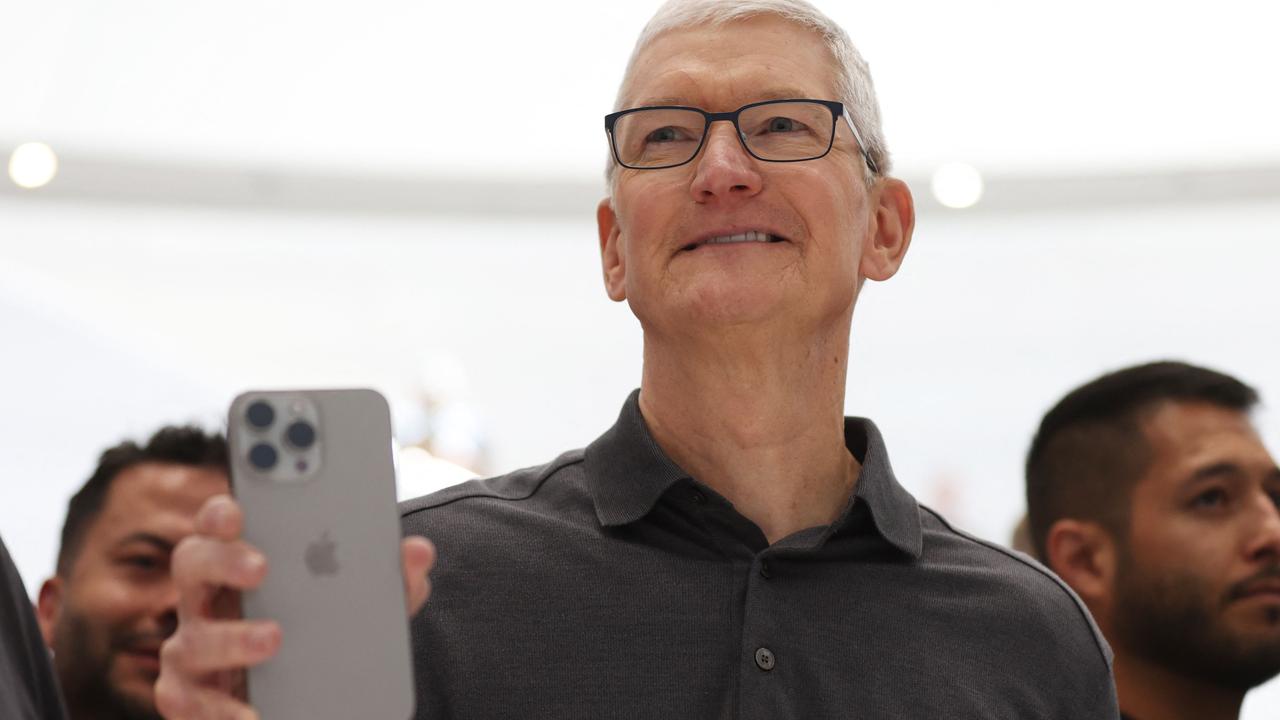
x,y
648,218
1178,549
113,599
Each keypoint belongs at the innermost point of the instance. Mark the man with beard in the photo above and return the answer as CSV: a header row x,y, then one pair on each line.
x,y
1151,494
112,602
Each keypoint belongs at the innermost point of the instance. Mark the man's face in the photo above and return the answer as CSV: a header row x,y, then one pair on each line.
x,y
117,602
820,207
1198,587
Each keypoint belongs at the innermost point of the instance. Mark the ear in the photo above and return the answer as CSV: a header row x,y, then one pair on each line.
x,y
1083,554
892,222
612,257
49,607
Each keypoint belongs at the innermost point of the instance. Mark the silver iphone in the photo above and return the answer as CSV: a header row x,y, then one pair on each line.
x,y
314,474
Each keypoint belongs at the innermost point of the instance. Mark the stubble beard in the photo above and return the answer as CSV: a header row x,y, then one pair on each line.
x,y
1176,621
83,662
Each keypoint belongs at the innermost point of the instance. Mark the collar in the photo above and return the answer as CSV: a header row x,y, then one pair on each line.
x,y
627,473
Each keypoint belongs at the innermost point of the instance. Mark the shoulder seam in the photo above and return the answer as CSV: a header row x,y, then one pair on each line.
x,y
1057,581
546,472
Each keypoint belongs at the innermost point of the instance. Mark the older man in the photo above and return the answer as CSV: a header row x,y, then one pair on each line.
x,y
1151,493
733,546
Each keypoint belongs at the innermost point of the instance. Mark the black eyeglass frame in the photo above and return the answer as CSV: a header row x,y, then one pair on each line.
x,y
836,108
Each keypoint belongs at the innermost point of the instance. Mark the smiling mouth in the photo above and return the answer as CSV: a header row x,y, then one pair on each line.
x,y
751,236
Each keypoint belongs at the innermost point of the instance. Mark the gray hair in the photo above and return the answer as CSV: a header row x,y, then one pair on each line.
x,y
853,82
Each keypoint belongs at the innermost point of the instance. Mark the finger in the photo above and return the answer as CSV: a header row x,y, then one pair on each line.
x,y
220,517
178,700
418,556
202,564
204,647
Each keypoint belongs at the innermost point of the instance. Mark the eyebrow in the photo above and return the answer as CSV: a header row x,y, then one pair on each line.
x,y
152,539
777,93
1218,469
1227,469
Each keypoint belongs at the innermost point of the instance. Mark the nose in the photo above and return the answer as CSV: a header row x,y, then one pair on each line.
x,y
725,172
1264,542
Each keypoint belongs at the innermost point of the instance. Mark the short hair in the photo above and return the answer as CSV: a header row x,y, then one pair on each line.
x,y
176,445
853,76
1091,449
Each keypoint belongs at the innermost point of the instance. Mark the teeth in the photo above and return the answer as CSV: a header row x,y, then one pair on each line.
x,y
749,236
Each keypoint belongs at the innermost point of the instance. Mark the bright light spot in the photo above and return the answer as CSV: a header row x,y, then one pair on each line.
x,y
33,165
957,185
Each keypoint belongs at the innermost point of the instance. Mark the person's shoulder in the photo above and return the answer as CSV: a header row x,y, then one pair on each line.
x,y
1019,588
539,485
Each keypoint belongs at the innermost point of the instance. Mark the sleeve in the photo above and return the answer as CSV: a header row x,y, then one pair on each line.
x,y
30,691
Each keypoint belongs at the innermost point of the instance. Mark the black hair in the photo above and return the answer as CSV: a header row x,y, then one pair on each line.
x,y
177,445
1091,448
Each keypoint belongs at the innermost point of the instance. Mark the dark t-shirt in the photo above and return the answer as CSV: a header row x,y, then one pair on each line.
x,y
28,690
611,584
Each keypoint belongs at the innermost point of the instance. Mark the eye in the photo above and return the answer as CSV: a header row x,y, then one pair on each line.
x,y
1212,498
663,134
146,563
1275,497
783,124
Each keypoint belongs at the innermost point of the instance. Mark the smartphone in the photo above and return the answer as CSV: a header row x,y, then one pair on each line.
x,y
314,473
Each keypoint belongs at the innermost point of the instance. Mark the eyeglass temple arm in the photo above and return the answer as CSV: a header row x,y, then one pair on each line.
x,y
862,147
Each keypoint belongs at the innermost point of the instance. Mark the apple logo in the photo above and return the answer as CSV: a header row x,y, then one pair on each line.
x,y
321,556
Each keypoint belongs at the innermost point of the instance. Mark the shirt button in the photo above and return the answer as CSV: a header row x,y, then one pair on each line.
x,y
764,570
698,498
764,659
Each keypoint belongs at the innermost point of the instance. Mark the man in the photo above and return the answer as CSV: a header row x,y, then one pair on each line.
x,y
1151,494
112,602
733,546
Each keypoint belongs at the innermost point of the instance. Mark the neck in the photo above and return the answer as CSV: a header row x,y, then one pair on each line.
x,y
761,422
1151,692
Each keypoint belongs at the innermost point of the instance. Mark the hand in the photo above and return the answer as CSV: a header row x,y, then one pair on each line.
x,y
202,665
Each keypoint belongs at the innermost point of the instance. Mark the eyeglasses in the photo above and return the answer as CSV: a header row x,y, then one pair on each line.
x,y
666,136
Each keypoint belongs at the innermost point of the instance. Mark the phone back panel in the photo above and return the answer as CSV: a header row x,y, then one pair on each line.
x,y
332,542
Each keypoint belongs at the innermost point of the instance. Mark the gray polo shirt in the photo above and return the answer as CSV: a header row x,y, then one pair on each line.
x,y
609,583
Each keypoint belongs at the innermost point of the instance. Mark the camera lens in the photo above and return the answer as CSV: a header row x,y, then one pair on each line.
x,y
300,434
263,456
261,415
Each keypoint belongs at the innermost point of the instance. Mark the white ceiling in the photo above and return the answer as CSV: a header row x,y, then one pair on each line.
x,y
475,88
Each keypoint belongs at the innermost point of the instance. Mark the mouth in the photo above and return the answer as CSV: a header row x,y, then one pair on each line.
x,y
146,658
742,237
1267,590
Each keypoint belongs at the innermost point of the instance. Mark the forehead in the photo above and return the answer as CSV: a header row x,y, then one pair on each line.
x,y
1185,436
724,66
159,498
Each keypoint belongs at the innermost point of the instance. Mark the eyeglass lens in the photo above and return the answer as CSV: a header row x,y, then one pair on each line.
x,y
658,137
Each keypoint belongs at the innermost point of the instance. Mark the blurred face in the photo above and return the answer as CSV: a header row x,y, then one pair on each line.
x,y
108,617
815,213
1198,588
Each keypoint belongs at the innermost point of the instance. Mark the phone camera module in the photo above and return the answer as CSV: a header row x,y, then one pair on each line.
x,y
301,434
260,415
263,456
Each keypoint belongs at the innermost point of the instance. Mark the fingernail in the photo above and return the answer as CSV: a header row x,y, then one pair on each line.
x,y
252,563
262,638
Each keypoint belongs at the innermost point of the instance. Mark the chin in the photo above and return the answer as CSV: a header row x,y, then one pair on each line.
x,y
735,309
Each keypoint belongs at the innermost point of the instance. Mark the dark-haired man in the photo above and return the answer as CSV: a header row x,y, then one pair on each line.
x,y
1151,494
112,602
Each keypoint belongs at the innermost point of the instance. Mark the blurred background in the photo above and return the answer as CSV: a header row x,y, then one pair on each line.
x,y
204,198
